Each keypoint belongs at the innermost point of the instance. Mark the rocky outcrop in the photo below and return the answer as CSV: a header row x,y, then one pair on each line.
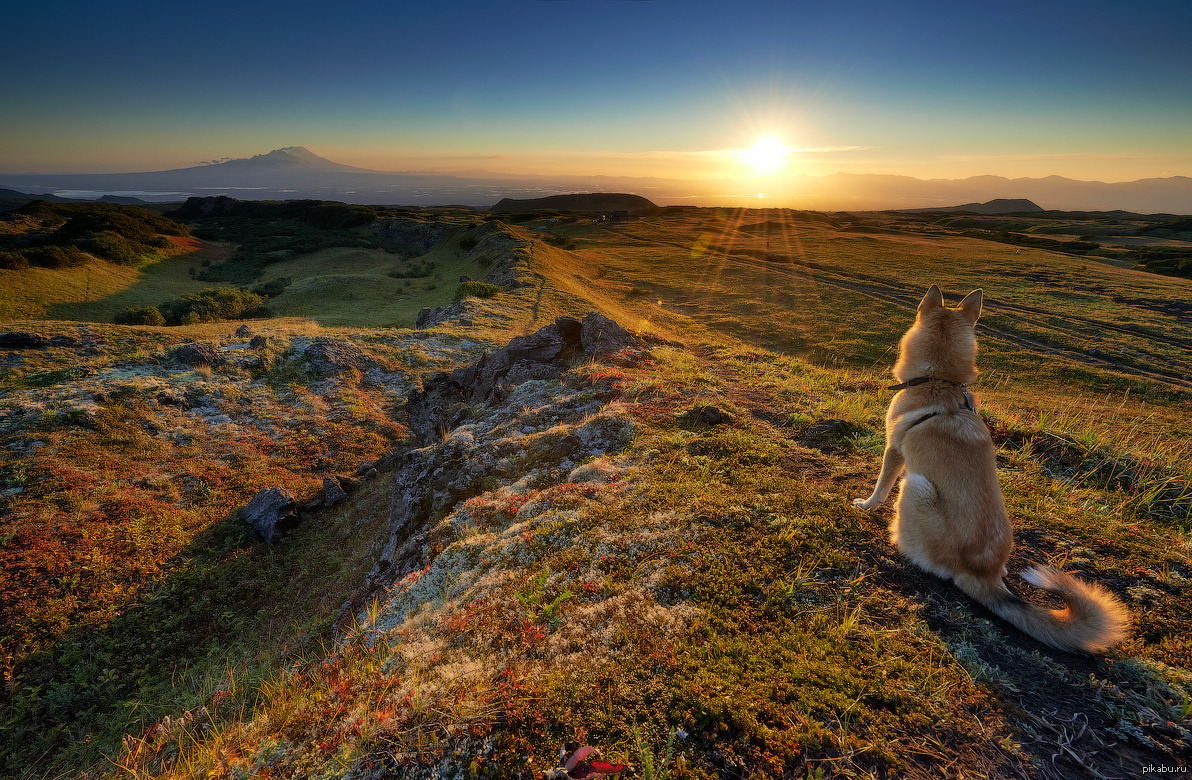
x,y
443,402
332,357
199,354
473,429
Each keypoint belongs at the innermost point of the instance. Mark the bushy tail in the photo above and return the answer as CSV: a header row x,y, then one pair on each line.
x,y
1093,620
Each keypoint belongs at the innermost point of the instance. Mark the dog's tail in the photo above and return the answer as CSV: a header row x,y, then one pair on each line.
x,y
1092,620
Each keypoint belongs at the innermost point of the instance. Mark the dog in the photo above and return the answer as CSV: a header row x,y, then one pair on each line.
x,y
950,519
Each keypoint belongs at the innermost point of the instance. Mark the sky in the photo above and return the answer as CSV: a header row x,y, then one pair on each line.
x,y
655,88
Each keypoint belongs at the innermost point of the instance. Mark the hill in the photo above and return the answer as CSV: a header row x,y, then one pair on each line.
x,y
995,206
592,203
522,525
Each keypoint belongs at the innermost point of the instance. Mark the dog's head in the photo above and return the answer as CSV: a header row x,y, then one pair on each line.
x,y
941,343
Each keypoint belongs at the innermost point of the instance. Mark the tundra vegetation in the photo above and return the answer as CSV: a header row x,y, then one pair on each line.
x,y
658,555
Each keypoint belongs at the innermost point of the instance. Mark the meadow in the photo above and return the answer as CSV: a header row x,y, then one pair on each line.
x,y
694,599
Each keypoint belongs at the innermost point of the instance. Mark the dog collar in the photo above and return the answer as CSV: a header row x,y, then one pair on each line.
x,y
922,380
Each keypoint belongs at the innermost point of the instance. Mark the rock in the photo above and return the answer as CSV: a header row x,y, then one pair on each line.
x,y
270,513
602,336
199,354
444,401
427,316
332,357
69,342
830,435
258,342
170,398
243,332
707,415
333,494
23,339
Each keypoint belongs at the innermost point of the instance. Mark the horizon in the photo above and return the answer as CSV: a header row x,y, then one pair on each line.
x,y
649,89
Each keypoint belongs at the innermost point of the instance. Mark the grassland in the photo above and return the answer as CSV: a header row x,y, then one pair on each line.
x,y
704,586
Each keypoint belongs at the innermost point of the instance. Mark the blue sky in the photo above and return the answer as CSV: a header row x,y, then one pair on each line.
x,y
626,87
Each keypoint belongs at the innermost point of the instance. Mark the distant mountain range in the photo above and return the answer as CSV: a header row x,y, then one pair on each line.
x,y
296,172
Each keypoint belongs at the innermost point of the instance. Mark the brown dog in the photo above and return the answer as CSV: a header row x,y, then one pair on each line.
x,y
950,519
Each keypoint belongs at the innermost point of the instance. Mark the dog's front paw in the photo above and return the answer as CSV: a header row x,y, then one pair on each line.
x,y
865,503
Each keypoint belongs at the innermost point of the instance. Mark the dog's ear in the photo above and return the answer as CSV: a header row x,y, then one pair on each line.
x,y
934,299
971,306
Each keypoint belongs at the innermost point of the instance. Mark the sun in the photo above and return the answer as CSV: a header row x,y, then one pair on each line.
x,y
766,156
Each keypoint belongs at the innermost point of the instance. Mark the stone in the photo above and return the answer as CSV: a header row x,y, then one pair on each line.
x,y
444,401
199,354
707,415
23,339
603,336
332,357
271,513
243,332
258,342
333,494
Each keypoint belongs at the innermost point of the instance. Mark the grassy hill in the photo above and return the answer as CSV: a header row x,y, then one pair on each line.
x,y
602,564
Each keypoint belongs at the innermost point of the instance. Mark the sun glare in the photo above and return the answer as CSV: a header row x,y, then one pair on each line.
x,y
766,156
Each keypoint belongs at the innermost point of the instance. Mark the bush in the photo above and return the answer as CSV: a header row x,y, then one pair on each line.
x,y
13,261
140,315
477,290
115,249
220,303
273,288
56,256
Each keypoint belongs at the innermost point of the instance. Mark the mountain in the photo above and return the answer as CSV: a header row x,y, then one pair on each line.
x,y
295,172
289,159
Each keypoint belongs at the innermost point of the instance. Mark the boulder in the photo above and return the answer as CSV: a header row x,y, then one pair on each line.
x,y
243,332
270,513
427,316
23,339
707,415
332,357
333,494
199,354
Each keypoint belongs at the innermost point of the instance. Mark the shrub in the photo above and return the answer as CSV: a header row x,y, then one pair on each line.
x,y
56,256
211,305
477,290
274,288
115,249
13,261
140,315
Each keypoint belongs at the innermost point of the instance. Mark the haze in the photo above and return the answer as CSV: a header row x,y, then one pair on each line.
x,y
686,90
